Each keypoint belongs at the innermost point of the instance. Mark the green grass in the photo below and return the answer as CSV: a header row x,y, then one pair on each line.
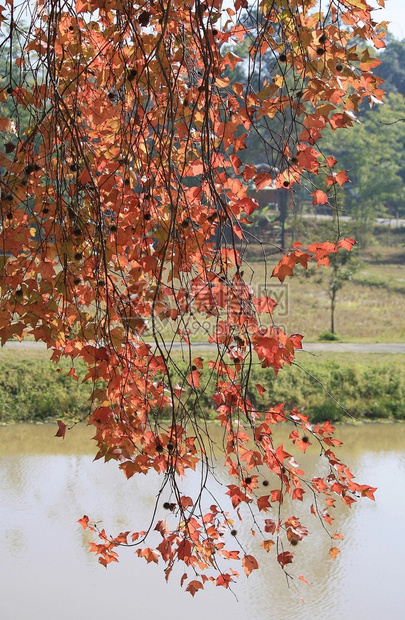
x,y
370,387
329,387
34,389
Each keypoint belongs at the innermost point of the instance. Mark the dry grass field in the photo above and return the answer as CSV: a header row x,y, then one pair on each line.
x,y
370,307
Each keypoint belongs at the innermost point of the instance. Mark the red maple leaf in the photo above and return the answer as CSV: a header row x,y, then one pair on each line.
x,y
249,564
61,432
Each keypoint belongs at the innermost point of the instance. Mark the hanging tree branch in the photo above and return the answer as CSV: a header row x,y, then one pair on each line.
x,y
124,203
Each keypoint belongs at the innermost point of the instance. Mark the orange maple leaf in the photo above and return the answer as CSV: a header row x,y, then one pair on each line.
x,y
320,198
334,552
249,564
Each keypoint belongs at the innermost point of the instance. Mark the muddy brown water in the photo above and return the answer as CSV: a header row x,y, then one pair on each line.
x,y
46,571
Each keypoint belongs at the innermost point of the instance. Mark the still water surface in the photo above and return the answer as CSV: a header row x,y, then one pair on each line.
x,y
46,571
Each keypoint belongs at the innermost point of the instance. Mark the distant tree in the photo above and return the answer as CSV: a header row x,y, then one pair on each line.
x,y
370,151
12,43
392,67
343,266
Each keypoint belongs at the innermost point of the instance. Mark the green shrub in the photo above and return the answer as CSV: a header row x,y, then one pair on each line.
x,y
328,337
36,391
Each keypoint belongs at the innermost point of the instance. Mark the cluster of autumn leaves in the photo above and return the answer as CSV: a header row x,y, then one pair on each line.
x,y
125,201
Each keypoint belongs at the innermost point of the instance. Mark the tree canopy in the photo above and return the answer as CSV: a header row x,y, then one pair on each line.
x,y
392,66
125,221
369,152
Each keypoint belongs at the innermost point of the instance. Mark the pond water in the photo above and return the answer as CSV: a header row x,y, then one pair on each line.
x,y
46,571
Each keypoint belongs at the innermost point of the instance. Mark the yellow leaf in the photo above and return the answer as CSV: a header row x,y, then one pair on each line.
x,y
222,82
333,552
267,545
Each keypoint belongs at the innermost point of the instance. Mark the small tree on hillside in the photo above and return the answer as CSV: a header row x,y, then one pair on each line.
x,y
343,266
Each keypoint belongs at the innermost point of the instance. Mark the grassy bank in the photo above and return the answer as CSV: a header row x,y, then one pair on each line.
x,y
33,389
370,387
331,387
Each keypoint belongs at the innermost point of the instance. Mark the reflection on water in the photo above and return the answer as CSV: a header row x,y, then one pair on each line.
x,y
46,571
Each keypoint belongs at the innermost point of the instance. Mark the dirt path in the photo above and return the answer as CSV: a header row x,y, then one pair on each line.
x,y
355,347
310,347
